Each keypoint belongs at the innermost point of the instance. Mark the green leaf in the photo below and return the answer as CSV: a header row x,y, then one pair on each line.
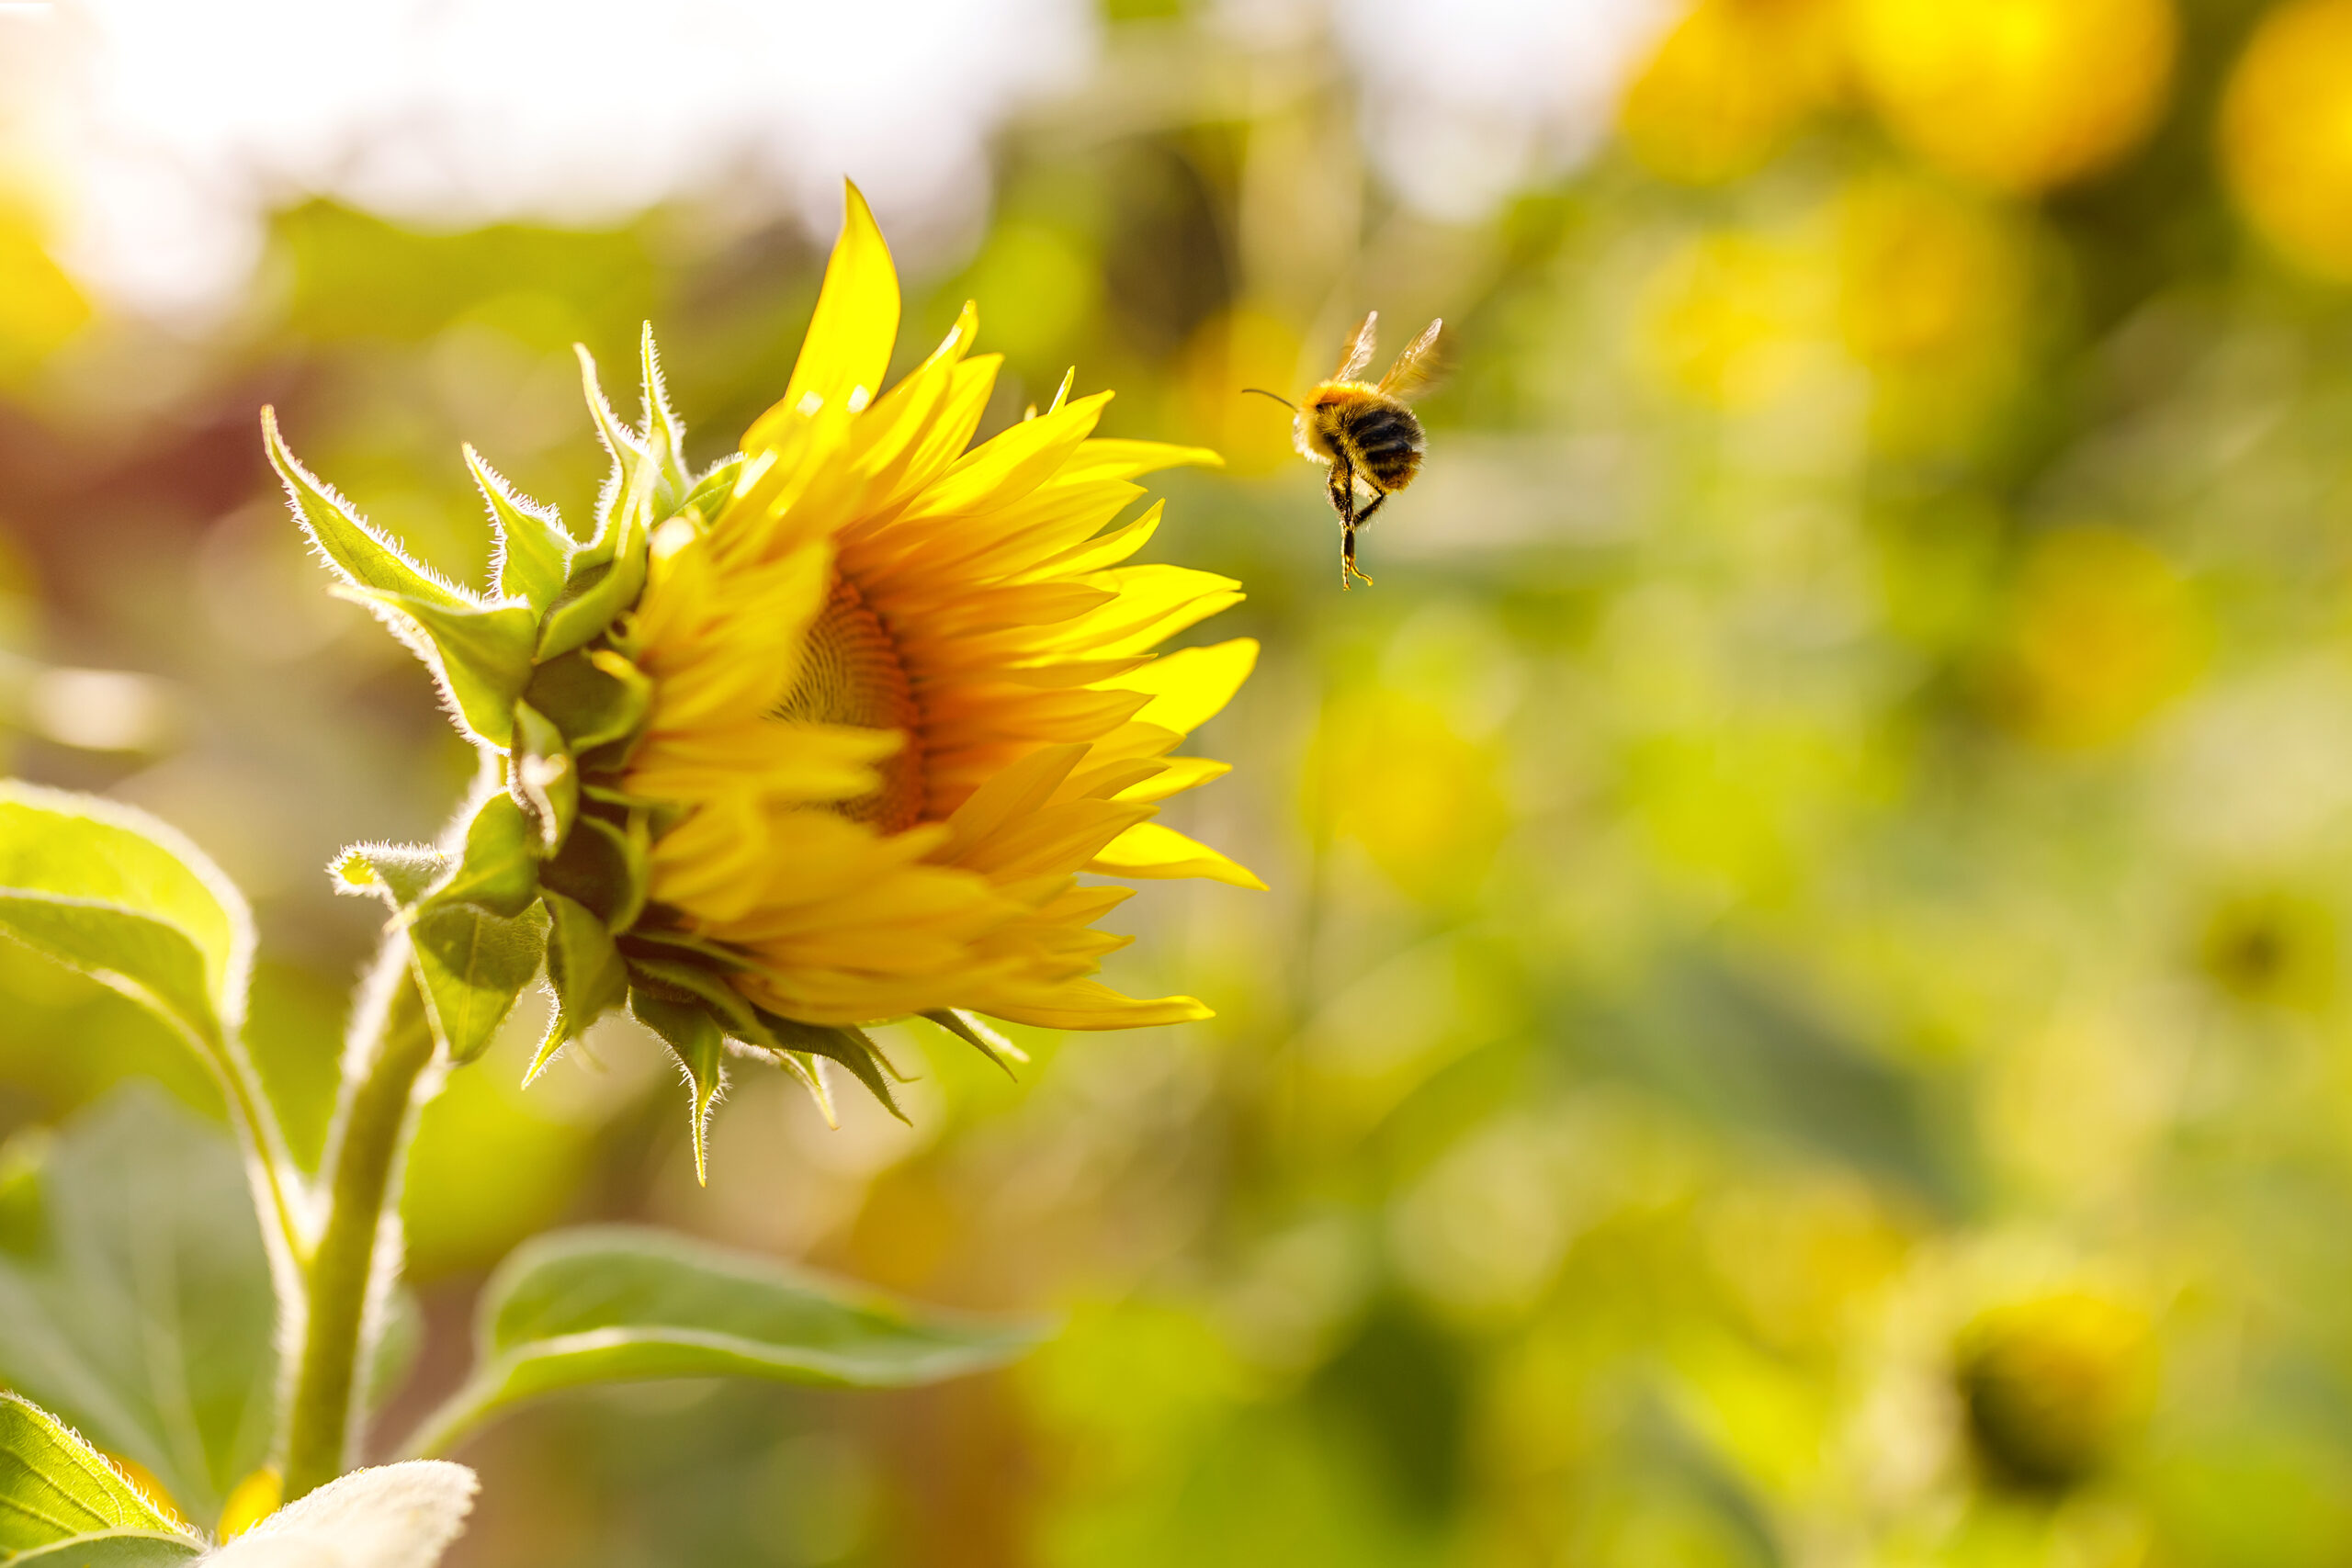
x,y
120,895
148,1318
595,697
500,873
471,966
533,553
24,1158
55,1488
585,970
360,555
543,778
398,874
614,1303
699,1041
480,653
113,1549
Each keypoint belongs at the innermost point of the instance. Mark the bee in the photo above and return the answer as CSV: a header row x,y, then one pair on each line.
x,y
1364,433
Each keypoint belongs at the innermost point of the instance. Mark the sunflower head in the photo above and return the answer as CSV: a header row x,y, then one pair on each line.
x,y
823,737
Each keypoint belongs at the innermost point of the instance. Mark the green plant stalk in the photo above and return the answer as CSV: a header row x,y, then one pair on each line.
x,y
385,1081
263,1143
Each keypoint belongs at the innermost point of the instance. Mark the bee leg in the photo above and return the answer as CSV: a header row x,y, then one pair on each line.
x,y
1343,501
1348,539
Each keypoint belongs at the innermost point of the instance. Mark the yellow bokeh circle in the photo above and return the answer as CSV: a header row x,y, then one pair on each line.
x,y
1728,84
2286,133
2021,95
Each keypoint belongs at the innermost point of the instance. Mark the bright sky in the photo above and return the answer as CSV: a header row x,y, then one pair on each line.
x,y
162,130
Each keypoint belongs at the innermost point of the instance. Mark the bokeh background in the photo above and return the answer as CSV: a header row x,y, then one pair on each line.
x,y
1803,1016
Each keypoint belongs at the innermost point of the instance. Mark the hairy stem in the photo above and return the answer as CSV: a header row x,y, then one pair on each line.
x,y
384,1079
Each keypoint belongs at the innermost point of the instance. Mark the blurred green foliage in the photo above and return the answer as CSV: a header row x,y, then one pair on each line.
x,y
1825,852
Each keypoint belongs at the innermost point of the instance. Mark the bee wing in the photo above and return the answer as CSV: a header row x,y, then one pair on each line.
x,y
1417,367
1359,353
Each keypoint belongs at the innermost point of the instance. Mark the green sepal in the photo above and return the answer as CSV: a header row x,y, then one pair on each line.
x,y
661,816
400,874
533,554
699,1041
711,493
605,867
500,872
542,778
594,697
845,1043
365,557
482,653
598,592
669,942
608,571
585,971
665,436
633,474
968,1028
683,979
471,966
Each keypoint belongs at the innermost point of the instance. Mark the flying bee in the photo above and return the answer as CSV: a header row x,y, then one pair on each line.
x,y
1364,433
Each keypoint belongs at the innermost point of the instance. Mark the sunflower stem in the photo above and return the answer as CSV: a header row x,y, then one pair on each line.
x,y
385,1078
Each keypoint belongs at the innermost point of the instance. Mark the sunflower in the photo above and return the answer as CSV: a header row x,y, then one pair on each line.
x,y
823,737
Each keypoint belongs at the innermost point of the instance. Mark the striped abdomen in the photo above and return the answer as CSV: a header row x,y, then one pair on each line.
x,y
1382,442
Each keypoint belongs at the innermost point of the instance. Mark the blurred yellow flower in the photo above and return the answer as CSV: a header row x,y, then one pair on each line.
x,y
2105,632
1729,317
904,694
1392,773
1243,347
2053,1384
2269,947
1729,85
2286,133
1925,274
39,307
2022,95
1932,298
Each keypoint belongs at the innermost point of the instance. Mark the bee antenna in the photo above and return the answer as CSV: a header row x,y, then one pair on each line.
x,y
1276,396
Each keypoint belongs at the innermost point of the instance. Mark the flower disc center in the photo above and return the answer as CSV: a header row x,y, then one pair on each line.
x,y
851,673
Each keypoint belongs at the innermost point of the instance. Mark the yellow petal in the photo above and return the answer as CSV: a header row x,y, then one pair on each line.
x,y
1190,687
1125,459
1090,1004
1176,775
1154,602
848,348
1018,790
1148,850
1104,549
